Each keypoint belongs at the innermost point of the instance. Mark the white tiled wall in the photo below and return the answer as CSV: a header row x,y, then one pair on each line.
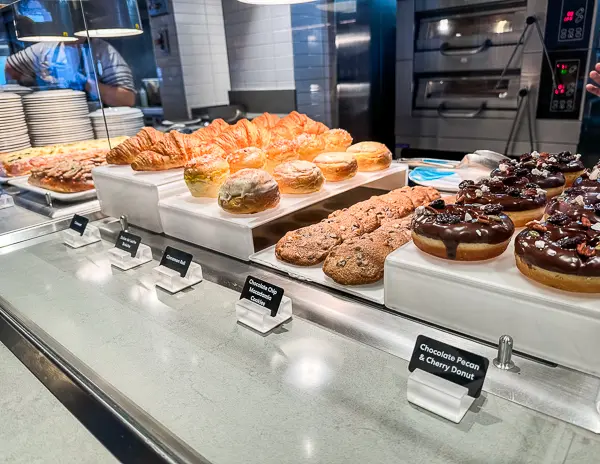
x,y
259,46
203,52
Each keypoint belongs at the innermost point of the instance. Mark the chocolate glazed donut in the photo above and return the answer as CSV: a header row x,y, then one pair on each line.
x,y
561,253
520,199
589,180
461,232
549,179
575,203
566,162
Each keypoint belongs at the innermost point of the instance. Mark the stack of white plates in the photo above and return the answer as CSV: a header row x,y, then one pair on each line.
x,y
14,88
13,129
119,120
57,116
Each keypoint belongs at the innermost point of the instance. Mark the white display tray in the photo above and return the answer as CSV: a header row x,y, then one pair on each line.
x,y
6,180
372,292
492,298
203,222
21,182
123,191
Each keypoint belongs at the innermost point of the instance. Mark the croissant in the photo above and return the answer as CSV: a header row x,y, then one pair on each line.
x,y
126,152
309,146
207,148
241,135
266,120
212,130
295,118
315,127
173,151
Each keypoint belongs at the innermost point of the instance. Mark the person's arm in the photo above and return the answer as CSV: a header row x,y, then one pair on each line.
x,y
116,84
23,66
595,76
112,96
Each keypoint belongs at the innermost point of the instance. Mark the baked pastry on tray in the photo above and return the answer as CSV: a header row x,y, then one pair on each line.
x,y
337,140
371,156
126,152
67,176
205,175
247,158
249,191
337,166
298,177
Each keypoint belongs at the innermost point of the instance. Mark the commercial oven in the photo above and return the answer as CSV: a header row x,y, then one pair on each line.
x,y
472,74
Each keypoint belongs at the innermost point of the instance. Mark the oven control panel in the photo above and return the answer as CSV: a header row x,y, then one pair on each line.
x,y
568,24
572,20
566,74
561,98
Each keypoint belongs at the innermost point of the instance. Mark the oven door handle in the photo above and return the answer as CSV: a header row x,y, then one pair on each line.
x,y
446,50
445,112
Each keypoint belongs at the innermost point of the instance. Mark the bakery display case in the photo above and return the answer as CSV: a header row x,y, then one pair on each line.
x,y
53,129
252,265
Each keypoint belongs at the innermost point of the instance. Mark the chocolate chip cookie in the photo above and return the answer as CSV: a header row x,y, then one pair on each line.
x,y
307,246
357,261
346,225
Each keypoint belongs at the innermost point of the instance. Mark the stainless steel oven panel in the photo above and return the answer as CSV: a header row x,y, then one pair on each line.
x,y
456,95
470,145
428,5
499,27
428,124
483,57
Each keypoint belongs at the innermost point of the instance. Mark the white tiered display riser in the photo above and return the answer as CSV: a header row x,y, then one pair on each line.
x,y
123,191
201,221
492,298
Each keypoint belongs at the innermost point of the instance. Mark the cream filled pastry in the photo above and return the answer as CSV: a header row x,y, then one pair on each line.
x,y
249,191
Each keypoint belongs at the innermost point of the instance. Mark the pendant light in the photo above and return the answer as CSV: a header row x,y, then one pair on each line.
x,y
44,21
110,18
276,2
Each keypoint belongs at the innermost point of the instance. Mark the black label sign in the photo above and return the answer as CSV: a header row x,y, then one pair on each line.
x,y
79,223
176,260
263,294
128,242
458,366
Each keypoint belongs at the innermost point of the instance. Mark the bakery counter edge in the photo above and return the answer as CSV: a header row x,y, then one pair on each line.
x,y
35,426
306,387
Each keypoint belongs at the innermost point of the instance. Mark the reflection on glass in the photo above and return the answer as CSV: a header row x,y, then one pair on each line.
x,y
44,21
110,18
467,88
500,23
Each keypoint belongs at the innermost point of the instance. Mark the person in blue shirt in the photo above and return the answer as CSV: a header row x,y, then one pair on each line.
x,y
70,65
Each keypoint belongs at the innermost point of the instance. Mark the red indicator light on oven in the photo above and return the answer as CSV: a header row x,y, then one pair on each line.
x,y
569,16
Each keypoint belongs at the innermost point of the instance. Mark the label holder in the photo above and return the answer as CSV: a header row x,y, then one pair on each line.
x,y
6,201
124,261
172,281
259,318
440,396
73,239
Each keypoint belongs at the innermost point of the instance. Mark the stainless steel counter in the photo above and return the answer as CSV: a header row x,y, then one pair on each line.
x,y
35,427
15,218
182,368
18,224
